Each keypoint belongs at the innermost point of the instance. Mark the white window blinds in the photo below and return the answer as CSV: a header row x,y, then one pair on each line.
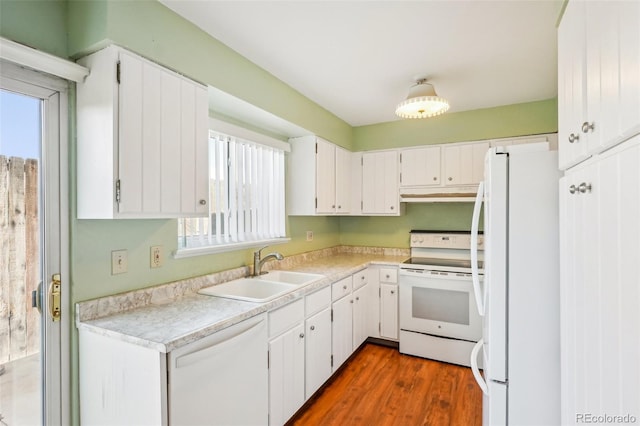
x,y
246,195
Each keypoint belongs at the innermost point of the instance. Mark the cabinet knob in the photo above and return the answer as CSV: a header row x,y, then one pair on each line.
x,y
573,138
450,179
351,301
572,189
584,187
302,335
586,126
391,207
362,277
339,207
203,202
393,292
357,298
388,276
344,287
435,178
333,206
313,327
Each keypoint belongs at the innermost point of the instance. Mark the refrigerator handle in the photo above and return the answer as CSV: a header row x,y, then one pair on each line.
x,y
474,367
475,276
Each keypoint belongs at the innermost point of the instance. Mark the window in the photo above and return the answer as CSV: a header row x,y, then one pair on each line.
x,y
246,198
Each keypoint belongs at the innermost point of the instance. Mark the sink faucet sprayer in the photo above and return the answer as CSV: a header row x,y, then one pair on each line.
x,y
258,262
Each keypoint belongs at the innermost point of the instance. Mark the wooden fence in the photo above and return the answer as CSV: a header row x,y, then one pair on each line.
x,y
19,257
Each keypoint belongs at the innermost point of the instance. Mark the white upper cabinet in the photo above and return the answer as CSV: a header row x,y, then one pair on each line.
x,y
142,140
420,166
318,178
598,77
464,164
380,183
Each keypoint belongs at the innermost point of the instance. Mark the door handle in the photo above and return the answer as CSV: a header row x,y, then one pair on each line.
x,y
36,298
54,297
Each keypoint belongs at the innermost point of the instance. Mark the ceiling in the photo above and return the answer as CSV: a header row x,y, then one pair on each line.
x,y
358,59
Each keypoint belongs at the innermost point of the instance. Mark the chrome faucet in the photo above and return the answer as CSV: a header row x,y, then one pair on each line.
x,y
258,262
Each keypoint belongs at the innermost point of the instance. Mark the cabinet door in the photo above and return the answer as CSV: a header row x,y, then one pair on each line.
x,y
343,181
361,300
162,142
318,351
571,85
286,375
380,183
389,311
342,327
420,166
325,177
600,248
629,31
464,164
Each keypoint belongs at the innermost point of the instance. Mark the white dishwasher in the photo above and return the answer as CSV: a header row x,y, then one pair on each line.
x,y
221,379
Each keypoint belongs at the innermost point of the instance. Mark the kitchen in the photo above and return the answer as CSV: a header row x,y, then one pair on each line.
x,y
90,261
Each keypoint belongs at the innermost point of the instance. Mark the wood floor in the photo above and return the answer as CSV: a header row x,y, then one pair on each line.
x,y
380,386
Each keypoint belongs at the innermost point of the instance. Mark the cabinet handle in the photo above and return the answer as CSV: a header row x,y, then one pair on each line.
x,y
572,189
586,127
302,335
313,327
203,202
573,138
584,187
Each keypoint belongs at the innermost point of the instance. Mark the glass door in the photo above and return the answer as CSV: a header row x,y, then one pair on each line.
x,y
31,251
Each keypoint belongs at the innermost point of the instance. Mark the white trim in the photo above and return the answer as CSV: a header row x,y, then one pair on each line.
x,y
199,251
41,61
246,134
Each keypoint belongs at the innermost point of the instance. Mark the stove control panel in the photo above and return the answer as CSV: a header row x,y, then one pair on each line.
x,y
444,240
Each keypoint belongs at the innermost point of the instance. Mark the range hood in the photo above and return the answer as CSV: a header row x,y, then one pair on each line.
x,y
439,194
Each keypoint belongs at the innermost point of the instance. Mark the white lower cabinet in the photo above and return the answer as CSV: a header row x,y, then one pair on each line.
x,y
318,351
388,303
600,290
342,325
211,381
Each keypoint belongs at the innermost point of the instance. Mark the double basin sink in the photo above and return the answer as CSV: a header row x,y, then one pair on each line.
x,y
263,288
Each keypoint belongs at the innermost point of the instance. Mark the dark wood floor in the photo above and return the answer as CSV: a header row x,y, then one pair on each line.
x,y
380,386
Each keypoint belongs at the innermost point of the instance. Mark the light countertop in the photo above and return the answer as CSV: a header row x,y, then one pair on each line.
x,y
169,322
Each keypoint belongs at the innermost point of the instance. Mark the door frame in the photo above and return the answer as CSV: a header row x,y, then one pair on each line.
x,y
54,92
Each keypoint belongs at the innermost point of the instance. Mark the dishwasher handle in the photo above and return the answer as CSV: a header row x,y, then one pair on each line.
x,y
211,350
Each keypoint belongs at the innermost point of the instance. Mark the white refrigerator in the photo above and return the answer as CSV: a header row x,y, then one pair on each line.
x,y
519,296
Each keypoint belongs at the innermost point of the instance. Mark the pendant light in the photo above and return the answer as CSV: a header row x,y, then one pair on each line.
x,y
422,102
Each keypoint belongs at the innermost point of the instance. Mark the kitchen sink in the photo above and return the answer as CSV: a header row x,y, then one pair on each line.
x,y
261,289
289,277
249,289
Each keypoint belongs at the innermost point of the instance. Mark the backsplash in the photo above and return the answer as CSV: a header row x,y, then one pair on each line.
x,y
165,293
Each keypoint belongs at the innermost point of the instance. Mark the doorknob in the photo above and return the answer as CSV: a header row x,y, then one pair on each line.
x,y
54,297
36,298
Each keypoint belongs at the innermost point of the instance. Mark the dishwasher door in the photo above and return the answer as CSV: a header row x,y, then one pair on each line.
x,y
221,379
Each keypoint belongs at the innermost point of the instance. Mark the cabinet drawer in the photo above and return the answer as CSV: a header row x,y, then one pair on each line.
x,y
317,301
286,317
360,279
389,275
341,288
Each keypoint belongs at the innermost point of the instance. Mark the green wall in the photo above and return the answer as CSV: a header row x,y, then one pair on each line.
x,y
489,123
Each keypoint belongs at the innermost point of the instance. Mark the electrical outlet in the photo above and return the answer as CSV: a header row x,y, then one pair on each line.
x,y
309,235
118,262
157,256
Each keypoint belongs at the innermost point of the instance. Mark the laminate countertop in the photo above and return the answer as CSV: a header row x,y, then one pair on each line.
x,y
181,317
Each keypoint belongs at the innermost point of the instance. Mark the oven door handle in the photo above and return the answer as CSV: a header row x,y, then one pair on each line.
x,y
474,367
475,275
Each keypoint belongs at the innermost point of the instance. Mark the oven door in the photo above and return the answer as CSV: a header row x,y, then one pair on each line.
x,y
439,303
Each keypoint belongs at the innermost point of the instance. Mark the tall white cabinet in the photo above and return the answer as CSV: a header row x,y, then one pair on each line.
x,y
599,149
142,149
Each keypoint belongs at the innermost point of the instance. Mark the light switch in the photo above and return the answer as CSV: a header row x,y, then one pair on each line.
x,y
118,262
